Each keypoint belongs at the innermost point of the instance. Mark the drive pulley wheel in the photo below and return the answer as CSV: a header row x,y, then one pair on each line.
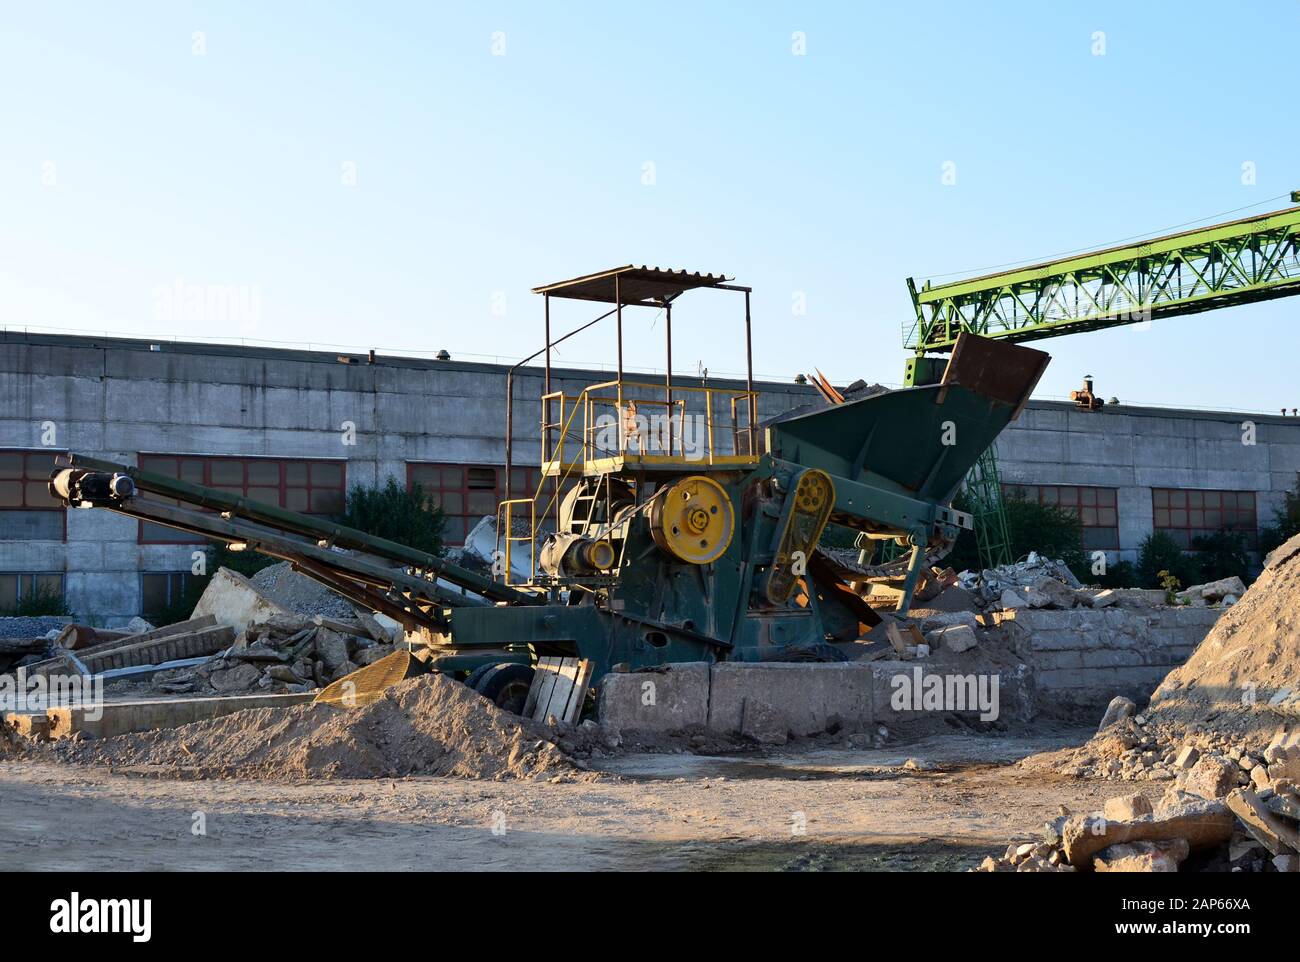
x,y
505,685
693,520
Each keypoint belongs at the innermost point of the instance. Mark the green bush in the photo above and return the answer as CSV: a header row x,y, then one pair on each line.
x,y
181,607
390,511
1159,552
38,603
1221,555
1045,528
1122,574
1051,531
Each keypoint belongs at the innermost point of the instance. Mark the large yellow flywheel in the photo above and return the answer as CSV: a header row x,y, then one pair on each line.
x,y
693,520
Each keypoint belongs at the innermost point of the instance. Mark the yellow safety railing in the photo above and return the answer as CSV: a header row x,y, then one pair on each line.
x,y
505,522
664,443
664,440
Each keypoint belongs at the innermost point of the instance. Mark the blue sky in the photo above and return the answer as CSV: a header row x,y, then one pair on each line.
x,y
399,175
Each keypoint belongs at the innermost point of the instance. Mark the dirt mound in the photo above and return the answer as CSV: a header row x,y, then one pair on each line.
x,y
1244,678
429,725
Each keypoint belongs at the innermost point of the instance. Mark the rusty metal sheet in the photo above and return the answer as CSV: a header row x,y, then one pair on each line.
x,y
651,286
994,369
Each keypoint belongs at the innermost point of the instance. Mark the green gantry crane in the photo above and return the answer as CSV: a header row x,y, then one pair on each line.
x,y
1240,262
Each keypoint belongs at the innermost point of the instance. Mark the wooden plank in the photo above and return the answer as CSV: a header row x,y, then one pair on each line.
x,y
582,683
565,675
539,693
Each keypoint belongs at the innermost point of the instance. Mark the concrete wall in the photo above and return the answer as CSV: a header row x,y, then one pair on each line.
x,y
1137,449
1082,658
117,398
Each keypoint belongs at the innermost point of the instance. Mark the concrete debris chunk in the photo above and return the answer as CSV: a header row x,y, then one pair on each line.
x,y
1164,856
1211,777
1103,599
956,638
1119,708
1123,808
1203,824
1273,832
241,677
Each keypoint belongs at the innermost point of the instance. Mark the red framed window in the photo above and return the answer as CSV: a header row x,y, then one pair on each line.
x,y
1096,508
1185,514
468,492
19,586
297,484
27,511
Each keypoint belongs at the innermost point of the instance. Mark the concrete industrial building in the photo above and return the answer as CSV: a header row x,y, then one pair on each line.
x,y
298,427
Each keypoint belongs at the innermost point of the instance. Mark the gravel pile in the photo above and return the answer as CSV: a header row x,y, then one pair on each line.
x,y
297,593
32,627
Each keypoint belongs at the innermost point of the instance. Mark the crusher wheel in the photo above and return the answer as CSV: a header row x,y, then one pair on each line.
x,y
505,685
693,520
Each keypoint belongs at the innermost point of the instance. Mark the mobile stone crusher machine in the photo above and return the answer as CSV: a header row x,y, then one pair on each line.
x,y
674,525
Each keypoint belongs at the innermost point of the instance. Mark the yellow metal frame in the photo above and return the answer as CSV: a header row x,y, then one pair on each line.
x,y
559,460
505,517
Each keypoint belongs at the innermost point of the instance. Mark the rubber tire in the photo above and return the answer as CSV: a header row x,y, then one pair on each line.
x,y
477,674
506,686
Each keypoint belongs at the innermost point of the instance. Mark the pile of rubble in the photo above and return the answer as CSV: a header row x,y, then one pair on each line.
x,y
278,632
285,653
1222,730
1209,827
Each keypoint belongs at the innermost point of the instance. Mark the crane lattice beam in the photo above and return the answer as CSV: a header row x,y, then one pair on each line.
x,y
1254,259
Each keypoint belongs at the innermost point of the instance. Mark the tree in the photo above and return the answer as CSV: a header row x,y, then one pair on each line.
x,y
390,511
1051,531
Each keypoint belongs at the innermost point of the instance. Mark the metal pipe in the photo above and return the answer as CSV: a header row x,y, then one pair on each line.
x,y
668,373
749,376
618,310
510,391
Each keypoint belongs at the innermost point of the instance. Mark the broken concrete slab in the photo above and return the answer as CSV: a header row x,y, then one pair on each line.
x,y
1187,757
956,638
1119,708
1103,599
1274,833
235,601
1124,808
239,677
1204,824
1211,777
118,718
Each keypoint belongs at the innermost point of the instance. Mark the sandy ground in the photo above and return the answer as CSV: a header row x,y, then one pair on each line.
x,y
860,810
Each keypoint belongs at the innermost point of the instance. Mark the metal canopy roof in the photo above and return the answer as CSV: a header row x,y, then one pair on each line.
x,y
636,285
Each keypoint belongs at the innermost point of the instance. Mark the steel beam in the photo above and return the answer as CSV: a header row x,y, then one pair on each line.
x,y
1241,262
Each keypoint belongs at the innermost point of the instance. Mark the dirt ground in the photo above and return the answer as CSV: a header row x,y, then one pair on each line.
x,y
858,809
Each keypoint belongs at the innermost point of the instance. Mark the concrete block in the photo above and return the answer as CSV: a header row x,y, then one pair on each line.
x,y
812,698
118,718
903,690
656,701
